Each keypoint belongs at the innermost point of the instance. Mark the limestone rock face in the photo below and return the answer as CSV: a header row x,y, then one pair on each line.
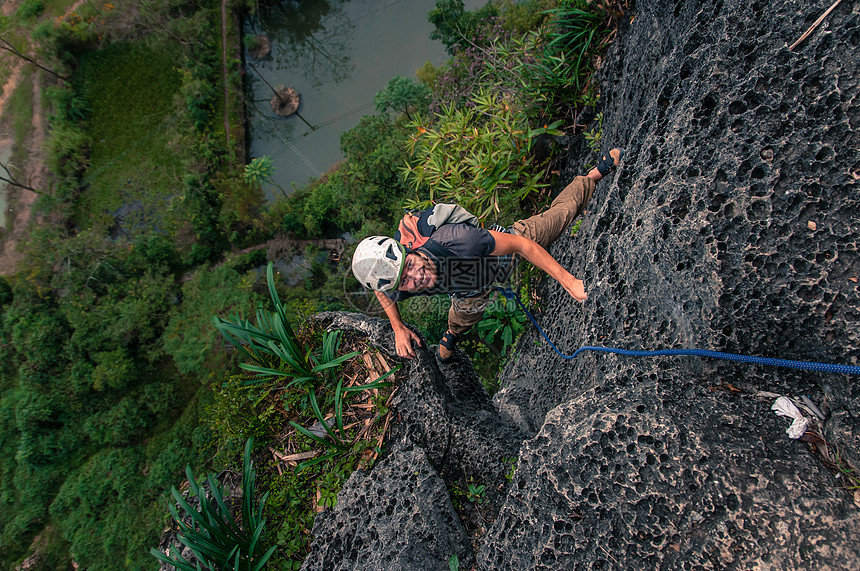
x,y
446,424
732,225
398,516
701,239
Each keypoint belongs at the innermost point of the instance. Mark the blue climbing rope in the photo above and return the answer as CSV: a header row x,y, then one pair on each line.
x,y
804,365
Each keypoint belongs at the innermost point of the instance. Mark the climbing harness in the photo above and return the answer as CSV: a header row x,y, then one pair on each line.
x,y
805,365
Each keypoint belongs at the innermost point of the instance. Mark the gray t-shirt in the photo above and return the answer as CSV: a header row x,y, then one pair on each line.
x,y
465,263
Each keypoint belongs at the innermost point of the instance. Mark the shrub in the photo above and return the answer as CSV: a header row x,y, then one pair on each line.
x,y
455,27
68,151
547,69
189,337
402,95
30,9
478,157
92,502
123,424
114,369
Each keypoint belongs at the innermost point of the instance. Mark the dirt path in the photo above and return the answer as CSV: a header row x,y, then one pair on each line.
x,y
19,201
9,7
17,64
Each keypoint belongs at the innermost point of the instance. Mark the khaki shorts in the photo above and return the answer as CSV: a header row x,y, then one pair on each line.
x,y
544,228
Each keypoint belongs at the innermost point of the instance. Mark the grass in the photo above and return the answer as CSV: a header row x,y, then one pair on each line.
x,y
5,71
135,160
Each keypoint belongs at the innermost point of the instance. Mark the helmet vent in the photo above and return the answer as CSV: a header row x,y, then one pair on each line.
x,y
382,282
389,253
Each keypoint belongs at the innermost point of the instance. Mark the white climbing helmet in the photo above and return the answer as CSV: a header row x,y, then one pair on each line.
x,y
378,263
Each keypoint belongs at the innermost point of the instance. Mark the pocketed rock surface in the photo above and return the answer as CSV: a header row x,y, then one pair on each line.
x,y
732,225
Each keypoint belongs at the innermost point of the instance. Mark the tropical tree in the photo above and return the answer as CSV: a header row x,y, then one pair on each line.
x,y
261,170
401,95
479,157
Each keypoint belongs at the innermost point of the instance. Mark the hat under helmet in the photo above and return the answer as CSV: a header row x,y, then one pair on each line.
x,y
378,263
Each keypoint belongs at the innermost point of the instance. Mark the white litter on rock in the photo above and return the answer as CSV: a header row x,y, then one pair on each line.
x,y
784,407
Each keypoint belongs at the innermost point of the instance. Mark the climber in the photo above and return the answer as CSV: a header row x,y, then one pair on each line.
x,y
464,261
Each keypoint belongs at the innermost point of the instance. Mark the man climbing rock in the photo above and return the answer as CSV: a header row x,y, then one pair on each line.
x,y
465,261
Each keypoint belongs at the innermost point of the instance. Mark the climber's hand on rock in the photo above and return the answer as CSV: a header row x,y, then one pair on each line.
x,y
403,338
575,288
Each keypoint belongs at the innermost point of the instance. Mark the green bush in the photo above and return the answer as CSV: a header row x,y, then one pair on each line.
x,y
30,9
189,338
68,150
6,293
114,369
455,27
90,501
39,332
123,424
502,318
402,95
519,17
478,157
158,251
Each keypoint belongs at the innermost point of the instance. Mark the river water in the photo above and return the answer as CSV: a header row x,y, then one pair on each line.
x,y
337,55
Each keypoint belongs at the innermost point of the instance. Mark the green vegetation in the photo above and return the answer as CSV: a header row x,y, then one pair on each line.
x,y
505,319
402,95
102,396
189,338
278,354
475,493
92,394
126,92
306,382
21,113
513,469
478,157
115,383
213,536
30,9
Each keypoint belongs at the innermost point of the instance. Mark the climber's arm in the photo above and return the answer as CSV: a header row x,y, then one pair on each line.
x,y
403,336
537,255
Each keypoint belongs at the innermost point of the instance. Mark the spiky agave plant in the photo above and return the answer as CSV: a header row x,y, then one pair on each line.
x,y
216,538
272,336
